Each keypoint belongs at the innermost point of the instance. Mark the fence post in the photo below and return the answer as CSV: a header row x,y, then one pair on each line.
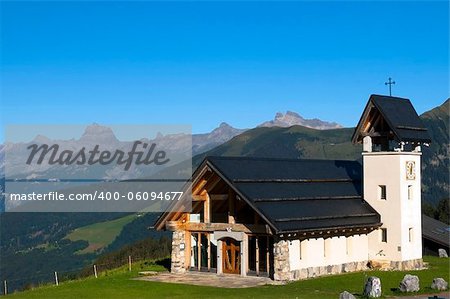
x,y
5,287
95,271
56,278
129,263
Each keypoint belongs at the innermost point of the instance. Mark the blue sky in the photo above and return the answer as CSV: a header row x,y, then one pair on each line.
x,y
202,63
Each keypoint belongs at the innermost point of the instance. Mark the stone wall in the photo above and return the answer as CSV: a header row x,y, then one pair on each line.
x,y
416,264
311,272
178,254
282,269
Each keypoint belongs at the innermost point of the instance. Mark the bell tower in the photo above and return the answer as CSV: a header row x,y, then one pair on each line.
x,y
392,135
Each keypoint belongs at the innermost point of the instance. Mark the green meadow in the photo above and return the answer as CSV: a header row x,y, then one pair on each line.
x,y
118,283
99,235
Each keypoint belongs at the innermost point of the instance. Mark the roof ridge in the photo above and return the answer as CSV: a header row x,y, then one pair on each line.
x,y
275,159
389,97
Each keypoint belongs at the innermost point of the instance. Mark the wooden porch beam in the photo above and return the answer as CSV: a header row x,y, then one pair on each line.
x,y
187,249
209,251
207,209
196,188
199,251
203,196
210,227
198,197
257,256
218,196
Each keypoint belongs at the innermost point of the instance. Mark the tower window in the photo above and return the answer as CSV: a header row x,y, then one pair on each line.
x,y
411,234
384,235
410,192
382,192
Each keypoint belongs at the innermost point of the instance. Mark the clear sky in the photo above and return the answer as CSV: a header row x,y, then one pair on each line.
x,y
202,63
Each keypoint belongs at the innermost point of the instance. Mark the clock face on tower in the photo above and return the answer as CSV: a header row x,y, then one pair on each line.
x,y
410,170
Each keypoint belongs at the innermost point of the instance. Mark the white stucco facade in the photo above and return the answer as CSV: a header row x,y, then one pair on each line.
x,y
325,252
400,210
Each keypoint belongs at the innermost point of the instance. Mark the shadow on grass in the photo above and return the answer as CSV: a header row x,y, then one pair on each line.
x,y
164,262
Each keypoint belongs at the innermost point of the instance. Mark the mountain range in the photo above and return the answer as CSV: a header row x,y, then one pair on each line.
x,y
288,135
104,136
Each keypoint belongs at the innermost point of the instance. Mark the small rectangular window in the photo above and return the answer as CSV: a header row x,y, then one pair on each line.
x,y
411,234
382,192
303,250
410,192
384,235
300,249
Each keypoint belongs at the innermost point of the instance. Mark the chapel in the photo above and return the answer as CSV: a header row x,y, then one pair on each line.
x,y
291,219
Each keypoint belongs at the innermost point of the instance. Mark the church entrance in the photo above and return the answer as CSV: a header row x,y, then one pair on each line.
x,y
231,253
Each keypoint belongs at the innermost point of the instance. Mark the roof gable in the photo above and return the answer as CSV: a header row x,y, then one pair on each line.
x,y
393,118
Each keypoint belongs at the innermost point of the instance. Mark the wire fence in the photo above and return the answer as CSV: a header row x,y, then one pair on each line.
x,y
95,270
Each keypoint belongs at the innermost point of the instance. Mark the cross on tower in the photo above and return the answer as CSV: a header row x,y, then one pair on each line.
x,y
390,82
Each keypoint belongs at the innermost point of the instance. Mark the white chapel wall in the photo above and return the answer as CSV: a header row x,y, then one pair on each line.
x,y
324,252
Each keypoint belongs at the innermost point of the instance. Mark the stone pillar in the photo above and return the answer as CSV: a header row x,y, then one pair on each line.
x,y
281,260
178,252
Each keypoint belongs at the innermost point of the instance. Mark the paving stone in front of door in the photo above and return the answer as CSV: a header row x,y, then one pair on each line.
x,y
210,279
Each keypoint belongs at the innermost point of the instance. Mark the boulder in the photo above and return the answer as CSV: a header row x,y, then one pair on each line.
x,y
372,288
346,295
442,252
439,284
410,283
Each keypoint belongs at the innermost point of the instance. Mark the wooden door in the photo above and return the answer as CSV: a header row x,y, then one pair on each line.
x,y
231,256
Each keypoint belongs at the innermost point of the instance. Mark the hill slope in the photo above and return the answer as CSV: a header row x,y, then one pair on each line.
x,y
435,169
292,142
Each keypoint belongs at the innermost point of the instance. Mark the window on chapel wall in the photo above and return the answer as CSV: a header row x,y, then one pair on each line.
x,y
382,192
300,249
384,235
411,234
410,192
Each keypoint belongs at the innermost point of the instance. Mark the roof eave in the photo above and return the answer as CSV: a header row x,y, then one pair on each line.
x,y
319,229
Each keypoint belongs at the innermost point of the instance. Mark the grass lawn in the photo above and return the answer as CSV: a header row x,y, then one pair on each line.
x,y
117,284
99,234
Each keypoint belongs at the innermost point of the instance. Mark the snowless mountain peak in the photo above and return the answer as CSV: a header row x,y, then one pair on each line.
x,y
97,133
291,118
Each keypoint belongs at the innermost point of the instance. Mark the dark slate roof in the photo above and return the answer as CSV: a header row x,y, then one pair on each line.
x,y
401,117
436,231
299,195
